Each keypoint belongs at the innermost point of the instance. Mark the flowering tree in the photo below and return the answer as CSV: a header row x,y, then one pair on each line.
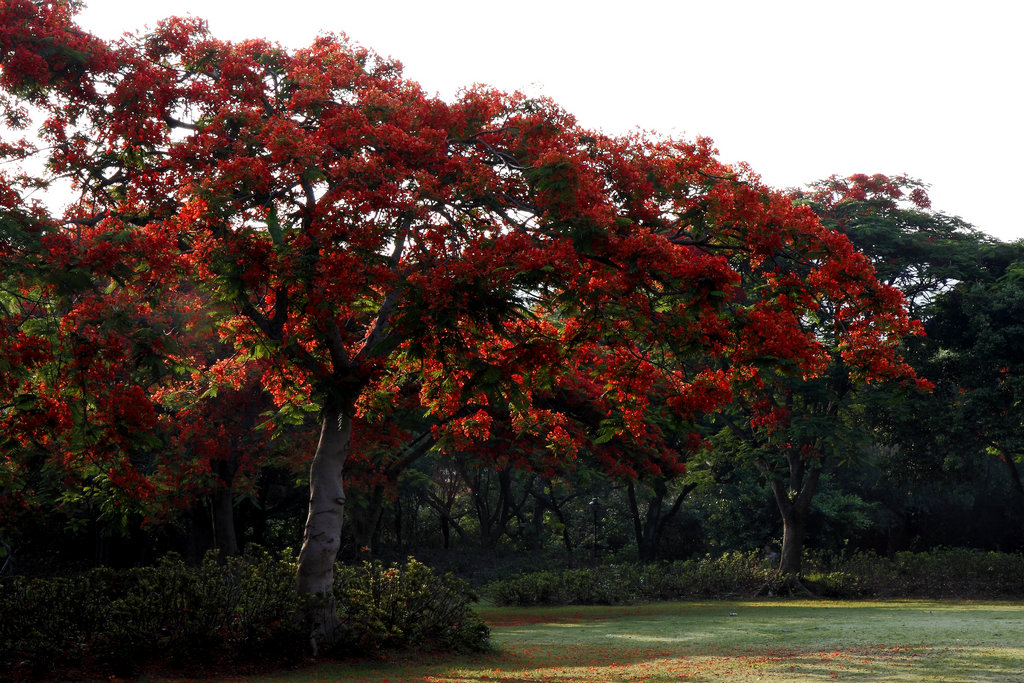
x,y
358,234
798,424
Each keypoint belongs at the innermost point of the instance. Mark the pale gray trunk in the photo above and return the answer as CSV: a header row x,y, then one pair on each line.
x,y
322,536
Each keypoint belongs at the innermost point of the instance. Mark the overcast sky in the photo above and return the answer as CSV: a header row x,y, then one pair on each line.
x,y
798,89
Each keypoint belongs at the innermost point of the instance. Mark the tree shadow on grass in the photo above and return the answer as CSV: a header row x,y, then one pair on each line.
x,y
739,641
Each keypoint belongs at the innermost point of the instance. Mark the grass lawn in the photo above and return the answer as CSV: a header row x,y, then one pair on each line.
x,y
726,641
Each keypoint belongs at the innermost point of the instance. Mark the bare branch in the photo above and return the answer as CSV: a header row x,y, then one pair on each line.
x,y
379,330
175,123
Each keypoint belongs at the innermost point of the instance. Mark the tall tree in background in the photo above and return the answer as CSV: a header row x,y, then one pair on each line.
x,y
976,350
347,225
959,282
889,219
796,425
801,425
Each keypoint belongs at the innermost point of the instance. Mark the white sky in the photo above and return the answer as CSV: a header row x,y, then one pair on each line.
x,y
800,89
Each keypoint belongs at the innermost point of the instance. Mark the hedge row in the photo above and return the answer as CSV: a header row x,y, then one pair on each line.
x,y
938,574
241,611
947,573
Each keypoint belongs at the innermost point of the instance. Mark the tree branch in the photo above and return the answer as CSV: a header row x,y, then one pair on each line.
x,y
381,325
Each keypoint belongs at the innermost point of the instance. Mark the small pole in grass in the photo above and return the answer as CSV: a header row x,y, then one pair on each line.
x,y
595,504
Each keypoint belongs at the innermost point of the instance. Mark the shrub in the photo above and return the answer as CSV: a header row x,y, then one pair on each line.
x,y
729,575
607,585
533,588
834,585
244,609
400,607
942,573
938,573
47,621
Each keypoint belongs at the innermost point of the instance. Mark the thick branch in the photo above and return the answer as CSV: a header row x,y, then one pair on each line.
x,y
381,326
175,123
675,506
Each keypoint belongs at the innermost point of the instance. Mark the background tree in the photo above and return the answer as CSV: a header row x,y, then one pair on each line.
x,y
889,219
976,349
916,441
817,420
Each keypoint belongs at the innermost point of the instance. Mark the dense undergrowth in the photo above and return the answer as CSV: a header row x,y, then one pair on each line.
x,y
240,612
943,573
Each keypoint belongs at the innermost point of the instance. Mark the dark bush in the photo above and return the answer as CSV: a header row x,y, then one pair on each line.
x,y
940,573
239,611
243,609
730,575
955,573
532,588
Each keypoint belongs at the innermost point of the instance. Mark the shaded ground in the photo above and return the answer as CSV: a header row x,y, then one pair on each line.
x,y
723,641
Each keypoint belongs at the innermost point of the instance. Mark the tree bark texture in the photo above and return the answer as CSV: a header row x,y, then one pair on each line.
x,y
223,515
322,536
793,502
649,528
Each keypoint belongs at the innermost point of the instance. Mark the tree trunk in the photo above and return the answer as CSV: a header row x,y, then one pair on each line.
x,y
643,533
444,511
222,507
223,514
494,518
398,523
322,536
794,526
445,532
547,501
793,502
364,523
650,527
1015,478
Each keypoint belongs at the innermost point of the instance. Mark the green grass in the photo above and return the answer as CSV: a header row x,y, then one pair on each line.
x,y
764,641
